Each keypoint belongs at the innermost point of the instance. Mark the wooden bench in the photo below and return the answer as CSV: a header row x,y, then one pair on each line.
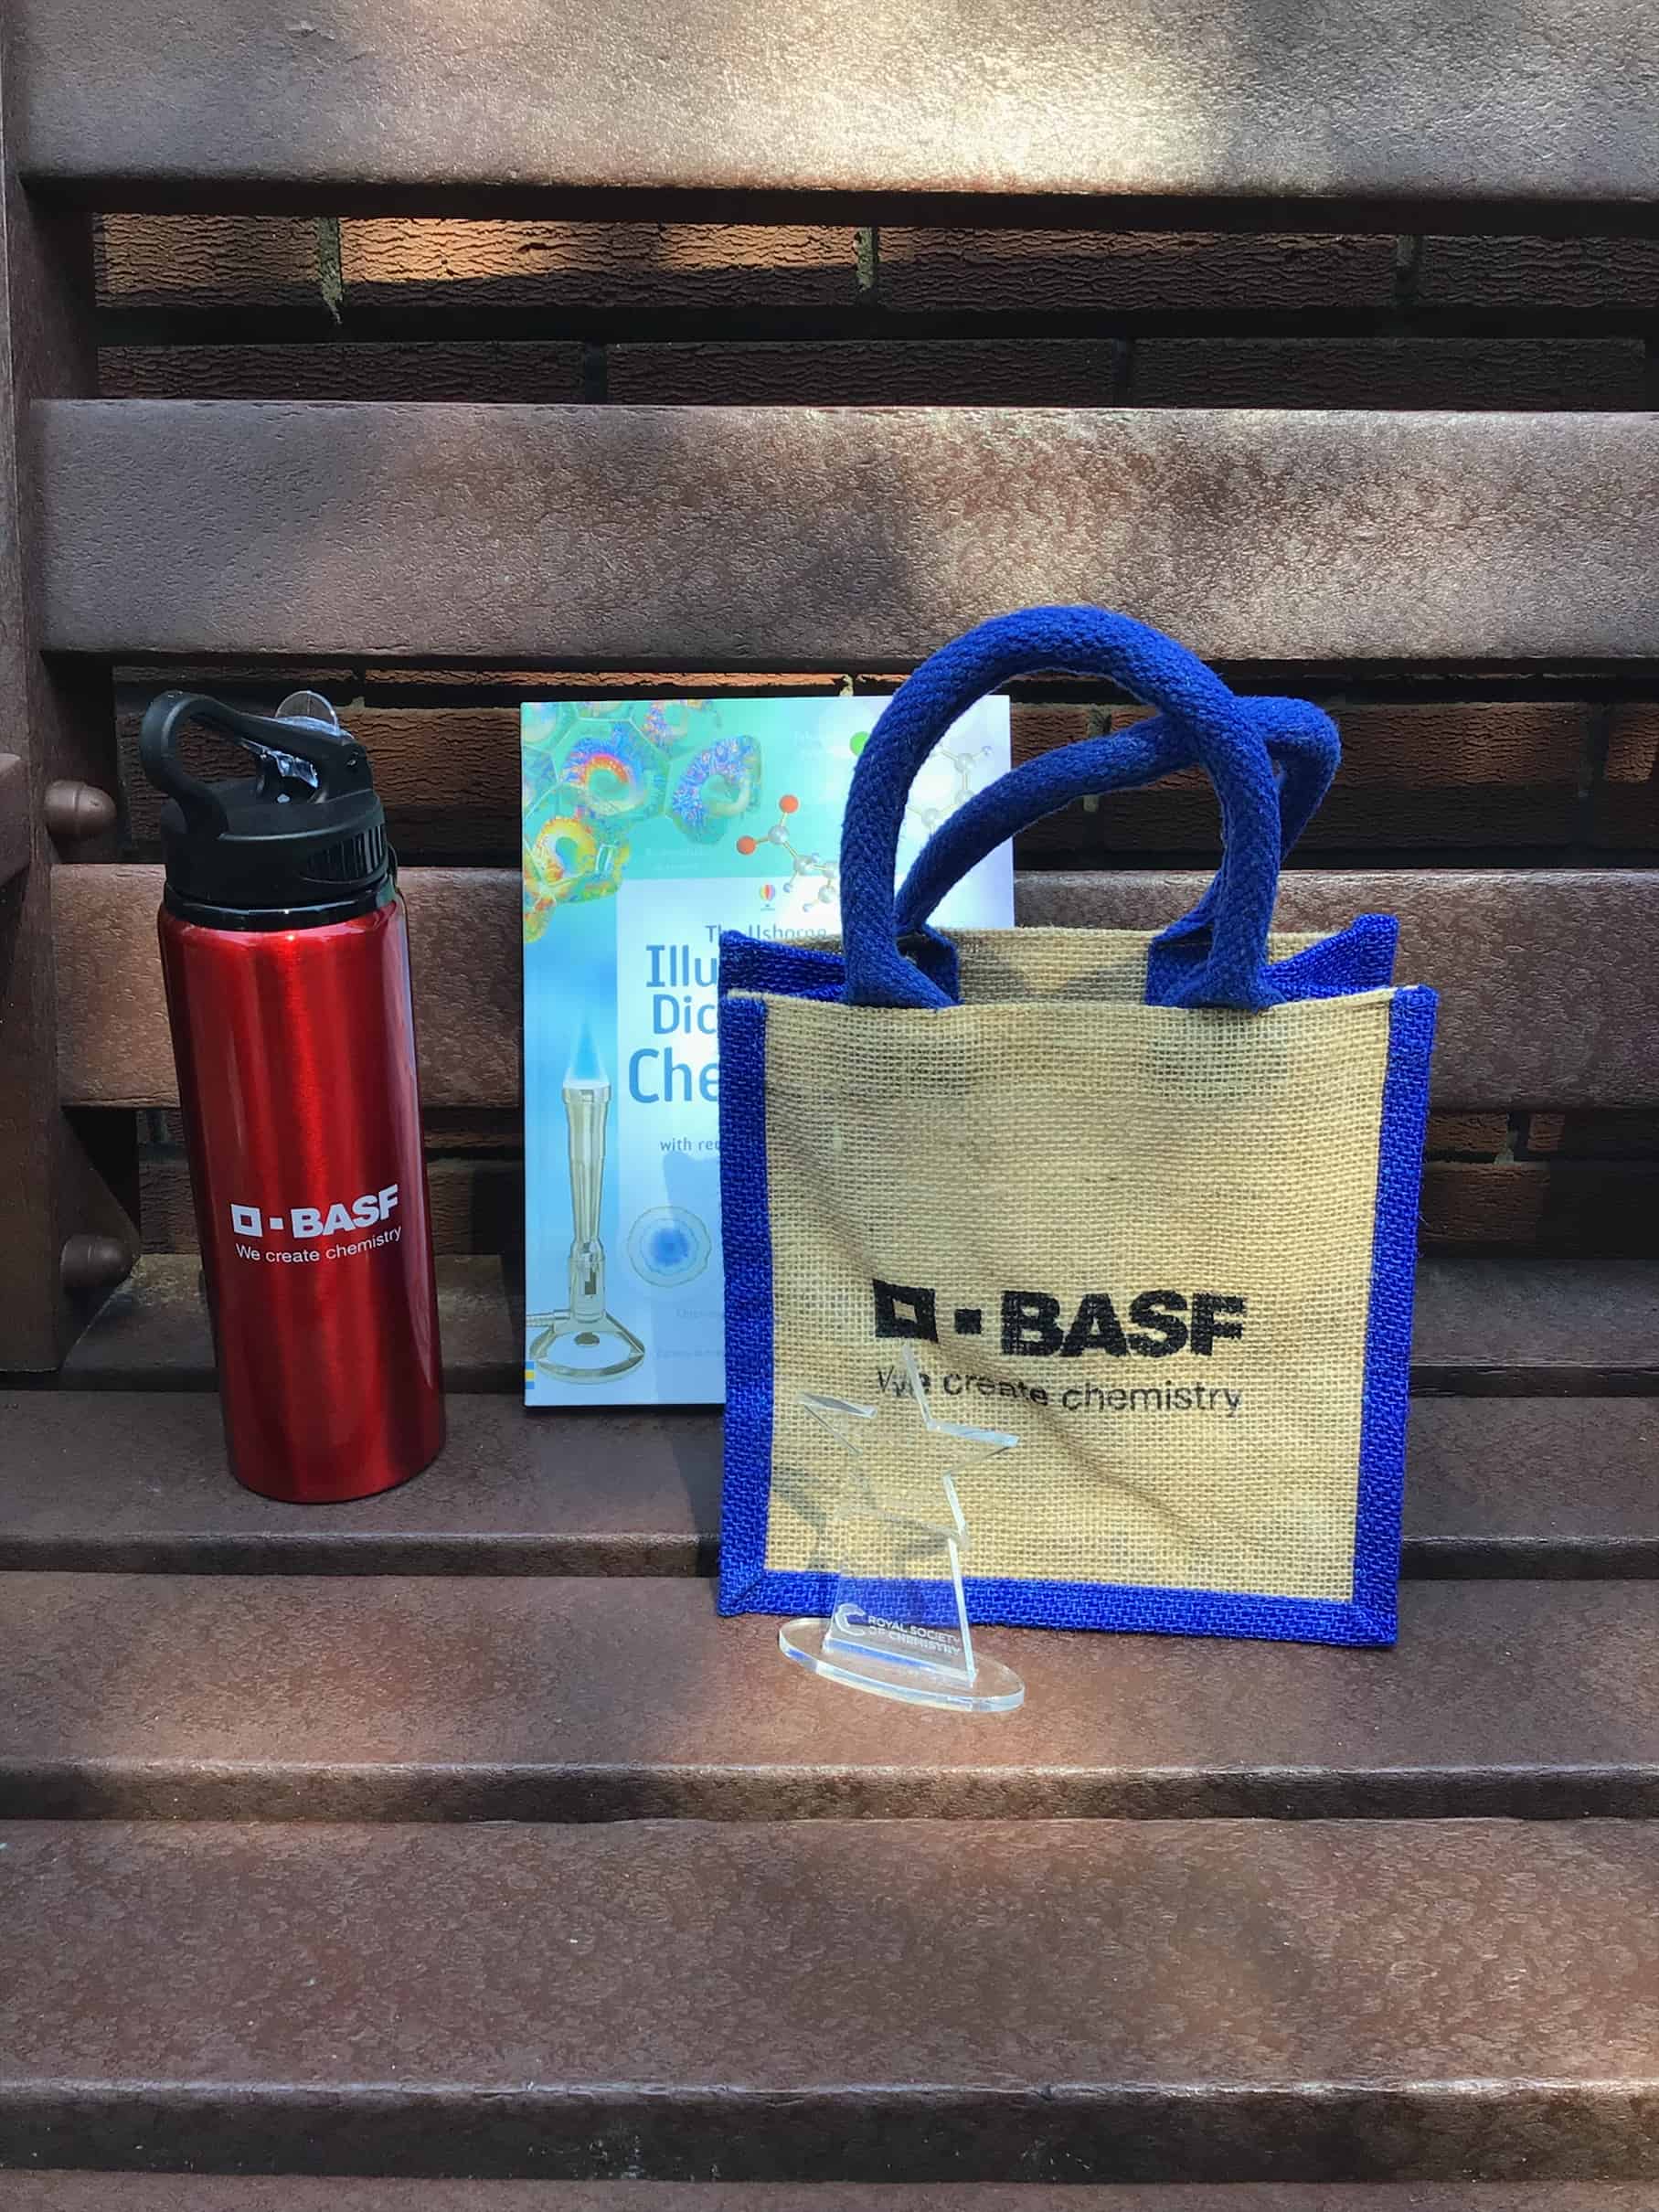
x,y
449,1834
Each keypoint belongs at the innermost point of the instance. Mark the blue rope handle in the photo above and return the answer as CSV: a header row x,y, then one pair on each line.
x,y
1229,927
1302,743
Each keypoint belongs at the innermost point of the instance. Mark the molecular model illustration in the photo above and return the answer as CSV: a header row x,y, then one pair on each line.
x,y
927,819
805,867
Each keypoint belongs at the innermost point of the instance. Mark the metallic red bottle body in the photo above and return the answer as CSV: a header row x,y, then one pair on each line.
x,y
295,1051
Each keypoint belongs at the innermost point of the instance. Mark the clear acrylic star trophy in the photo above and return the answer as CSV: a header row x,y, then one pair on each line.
x,y
898,1625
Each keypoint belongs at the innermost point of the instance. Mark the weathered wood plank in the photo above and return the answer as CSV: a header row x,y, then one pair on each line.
x,y
386,1698
1607,1207
1531,1487
868,116
1466,774
1484,1326
152,1333
1577,1208
1275,2000
777,537
15,830
1537,1008
91,1482
1525,964
1554,1327
114,1037
70,2192
53,728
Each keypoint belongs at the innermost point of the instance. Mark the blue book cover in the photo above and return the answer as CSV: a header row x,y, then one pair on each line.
x,y
650,826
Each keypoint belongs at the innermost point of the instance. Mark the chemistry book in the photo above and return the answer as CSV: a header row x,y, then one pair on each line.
x,y
649,826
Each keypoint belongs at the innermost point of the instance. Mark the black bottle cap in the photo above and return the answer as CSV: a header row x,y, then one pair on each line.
x,y
300,842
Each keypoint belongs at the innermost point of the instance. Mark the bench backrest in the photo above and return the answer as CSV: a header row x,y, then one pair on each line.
x,y
771,538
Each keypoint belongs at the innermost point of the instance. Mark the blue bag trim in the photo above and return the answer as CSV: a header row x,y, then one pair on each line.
x,y
772,964
745,1232
1382,1428
1369,1618
1360,958
795,970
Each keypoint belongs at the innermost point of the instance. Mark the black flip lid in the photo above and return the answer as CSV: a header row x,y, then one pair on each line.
x,y
300,842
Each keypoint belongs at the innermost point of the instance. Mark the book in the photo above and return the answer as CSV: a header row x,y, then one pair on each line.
x,y
649,826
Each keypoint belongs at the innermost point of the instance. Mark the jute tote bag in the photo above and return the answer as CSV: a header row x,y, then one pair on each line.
x,y
1147,1203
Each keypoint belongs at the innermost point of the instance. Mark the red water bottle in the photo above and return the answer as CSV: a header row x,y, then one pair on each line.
x,y
286,960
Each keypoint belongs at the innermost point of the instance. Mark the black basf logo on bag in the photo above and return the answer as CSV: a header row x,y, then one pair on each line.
x,y
1151,1325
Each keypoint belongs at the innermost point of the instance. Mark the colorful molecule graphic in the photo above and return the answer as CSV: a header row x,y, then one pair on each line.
x,y
722,782
618,776
803,866
565,863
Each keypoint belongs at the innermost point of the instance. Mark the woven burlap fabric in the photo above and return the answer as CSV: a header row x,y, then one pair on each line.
x,y
1053,1135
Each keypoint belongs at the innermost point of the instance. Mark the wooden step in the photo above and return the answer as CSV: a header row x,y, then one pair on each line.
x,y
68,2192
1533,1010
1483,1326
1141,113
207,1697
152,1333
781,537
1089,2000
94,1481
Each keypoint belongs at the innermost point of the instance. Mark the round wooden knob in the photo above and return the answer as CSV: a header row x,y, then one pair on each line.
x,y
77,810
93,1263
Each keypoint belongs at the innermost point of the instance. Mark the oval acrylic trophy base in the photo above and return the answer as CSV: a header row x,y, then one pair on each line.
x,y
995,1688
897,1623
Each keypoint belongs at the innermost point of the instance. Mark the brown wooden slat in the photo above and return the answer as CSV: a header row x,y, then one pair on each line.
x,y
1465,774
1554,1327
1528,1487
152,1333
866,115
1477,1136
1484,1326
1532,1486
15,830
91,1482
1593,1136
438,1698
447,270
1143,273
1142,2000
1529,375
114,1019
56,726
1607,1208
781,536
69,2192
478,373
1550,981
203,266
